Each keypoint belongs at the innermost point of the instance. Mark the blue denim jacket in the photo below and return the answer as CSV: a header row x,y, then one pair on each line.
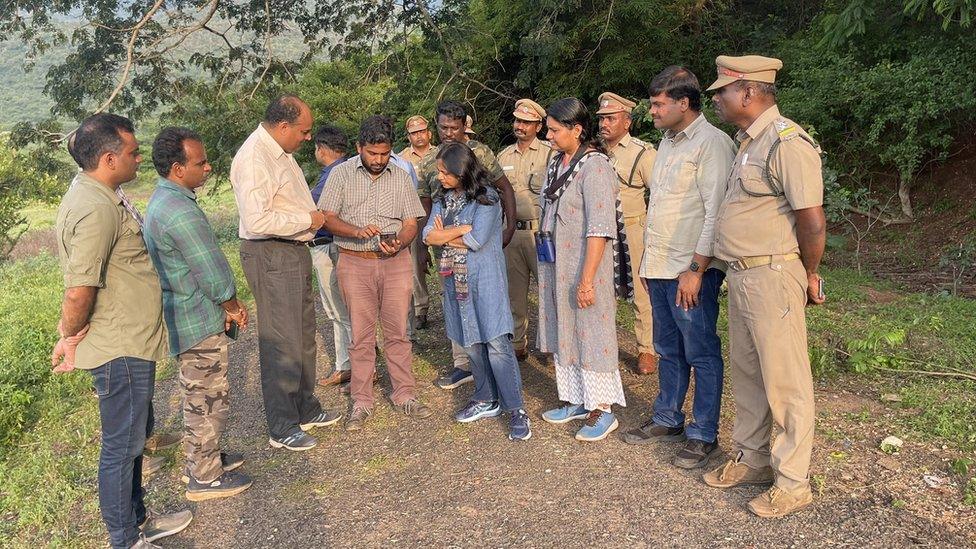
x,y
485,314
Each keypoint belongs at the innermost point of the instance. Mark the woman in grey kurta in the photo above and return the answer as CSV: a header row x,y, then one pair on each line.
x,y
577,301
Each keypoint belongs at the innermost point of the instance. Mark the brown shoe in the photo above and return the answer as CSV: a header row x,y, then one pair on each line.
x,y
646,363
776,502
521,354
357,419
151,465
734,473
345,390
337,377
162,441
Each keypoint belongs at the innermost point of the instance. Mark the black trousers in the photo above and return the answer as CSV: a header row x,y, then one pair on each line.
x,y
280,277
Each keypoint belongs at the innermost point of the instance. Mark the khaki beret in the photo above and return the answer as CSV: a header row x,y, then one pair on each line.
x,y
747,67
527,109
468,122
416,123
611,103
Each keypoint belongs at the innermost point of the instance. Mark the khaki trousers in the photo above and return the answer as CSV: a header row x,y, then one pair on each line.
x,y
643,324
770,370
520,258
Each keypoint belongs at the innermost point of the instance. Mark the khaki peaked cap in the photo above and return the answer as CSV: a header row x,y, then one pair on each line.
x,y
611,103
755,68
527,109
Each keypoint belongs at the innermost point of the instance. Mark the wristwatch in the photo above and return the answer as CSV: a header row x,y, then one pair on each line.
x,y
694,266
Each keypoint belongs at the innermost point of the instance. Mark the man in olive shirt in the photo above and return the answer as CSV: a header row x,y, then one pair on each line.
x,y
770,230
687,186
112,320
450,118
632,159
418,133
524,163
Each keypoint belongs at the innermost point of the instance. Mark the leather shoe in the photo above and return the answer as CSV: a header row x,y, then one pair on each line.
x,y
345,390
337,377
646,363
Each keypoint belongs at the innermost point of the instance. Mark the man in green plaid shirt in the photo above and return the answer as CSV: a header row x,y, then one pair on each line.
x,y
200,307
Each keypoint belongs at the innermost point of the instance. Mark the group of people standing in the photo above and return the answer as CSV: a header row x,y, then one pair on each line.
x,y
592,213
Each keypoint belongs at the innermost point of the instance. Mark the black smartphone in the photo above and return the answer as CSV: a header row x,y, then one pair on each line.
x,y
388,238
232,331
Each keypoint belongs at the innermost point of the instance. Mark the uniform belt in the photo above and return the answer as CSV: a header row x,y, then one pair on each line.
x,y
526,225
366,254
760,261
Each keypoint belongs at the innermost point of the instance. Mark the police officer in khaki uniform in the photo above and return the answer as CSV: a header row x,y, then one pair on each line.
x,y
450,120
770,230
633,159
524,163
418,133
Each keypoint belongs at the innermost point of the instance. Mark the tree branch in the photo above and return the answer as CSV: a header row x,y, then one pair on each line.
x,y
129,51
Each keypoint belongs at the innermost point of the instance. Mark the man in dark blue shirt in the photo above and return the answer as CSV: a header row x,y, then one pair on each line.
x,y
330,151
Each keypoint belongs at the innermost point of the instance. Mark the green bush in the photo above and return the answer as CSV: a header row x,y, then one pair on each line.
x,y
30,305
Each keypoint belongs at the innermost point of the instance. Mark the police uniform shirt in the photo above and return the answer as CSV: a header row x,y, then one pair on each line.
x,y
759,223
624,156
526,170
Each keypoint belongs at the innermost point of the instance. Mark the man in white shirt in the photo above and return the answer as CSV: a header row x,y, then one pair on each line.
x,y
278,219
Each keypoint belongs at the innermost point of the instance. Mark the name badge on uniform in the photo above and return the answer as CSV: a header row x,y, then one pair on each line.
x,y
744,158
506,168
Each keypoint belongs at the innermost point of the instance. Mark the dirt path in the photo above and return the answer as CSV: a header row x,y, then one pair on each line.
x,y
409,483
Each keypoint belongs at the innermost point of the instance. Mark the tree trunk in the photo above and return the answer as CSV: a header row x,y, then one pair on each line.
x,y
904,194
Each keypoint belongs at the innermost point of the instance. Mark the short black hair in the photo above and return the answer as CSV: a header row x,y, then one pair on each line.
x,y
677,83
167,148
376,129
451,109
284,108
332,138
98,134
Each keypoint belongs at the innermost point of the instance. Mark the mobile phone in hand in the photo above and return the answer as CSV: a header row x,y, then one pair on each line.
x,y
233,330
388,238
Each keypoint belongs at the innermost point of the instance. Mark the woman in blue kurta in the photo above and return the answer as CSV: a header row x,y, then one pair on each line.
x,y
466,221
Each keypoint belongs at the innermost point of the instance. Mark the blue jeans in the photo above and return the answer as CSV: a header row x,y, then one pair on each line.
x,y
496,373
686,340
125,391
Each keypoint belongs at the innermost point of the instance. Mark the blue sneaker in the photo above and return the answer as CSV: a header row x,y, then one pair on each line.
x,y
518,426
597,426
477,410
565,414
456,378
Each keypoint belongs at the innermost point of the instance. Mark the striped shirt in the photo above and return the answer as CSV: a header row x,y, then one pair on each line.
x,y
359,200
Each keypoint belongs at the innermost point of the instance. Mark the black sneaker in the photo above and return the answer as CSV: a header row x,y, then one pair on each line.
x,y
652,432
299,441
324,419
695,454
229,462
225,486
